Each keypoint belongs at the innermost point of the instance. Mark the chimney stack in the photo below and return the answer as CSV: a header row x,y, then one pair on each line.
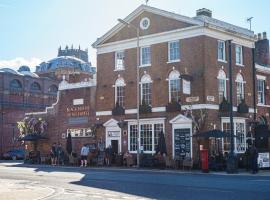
x,y
204,12
262,49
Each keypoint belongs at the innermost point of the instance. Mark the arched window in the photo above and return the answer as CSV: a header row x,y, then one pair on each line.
x,y
240,93
53,89
222,88
120,91
174,86
146,89
15,84
35,87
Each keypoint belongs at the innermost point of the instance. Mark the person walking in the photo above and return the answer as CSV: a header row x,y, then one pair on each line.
x,y
84,155
53,154
254,159
60,154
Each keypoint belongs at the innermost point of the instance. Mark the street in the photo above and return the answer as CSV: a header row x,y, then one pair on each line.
x,y
19,182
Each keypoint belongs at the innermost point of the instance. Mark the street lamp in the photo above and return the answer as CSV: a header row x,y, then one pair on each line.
x,y
129,25
231,163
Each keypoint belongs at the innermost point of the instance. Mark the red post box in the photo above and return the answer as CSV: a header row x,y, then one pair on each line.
x,y
204,160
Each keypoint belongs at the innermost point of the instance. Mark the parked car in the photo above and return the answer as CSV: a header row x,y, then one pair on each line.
x,y
14,154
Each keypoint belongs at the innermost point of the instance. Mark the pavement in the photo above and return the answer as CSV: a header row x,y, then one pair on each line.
x,y
26,182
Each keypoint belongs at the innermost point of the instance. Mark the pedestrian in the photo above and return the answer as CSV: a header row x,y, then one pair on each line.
x,y
53,154
60,154
110,154
254,159
84,155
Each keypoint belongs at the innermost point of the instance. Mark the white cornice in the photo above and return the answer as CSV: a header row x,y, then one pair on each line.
x,y
262,69
163,109
64,85
177,34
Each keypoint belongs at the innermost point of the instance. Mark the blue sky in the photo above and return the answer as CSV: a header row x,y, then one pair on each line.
x,y
32,30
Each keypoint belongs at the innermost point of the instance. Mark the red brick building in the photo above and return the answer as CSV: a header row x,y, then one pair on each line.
x,y
74,113
21,92
183,60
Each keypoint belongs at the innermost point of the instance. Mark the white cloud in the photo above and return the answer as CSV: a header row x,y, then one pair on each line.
x,y
17,62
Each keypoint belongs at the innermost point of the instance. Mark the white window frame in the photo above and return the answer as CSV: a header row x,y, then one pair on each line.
x,y
170,60
146,79
261,78
151,121
173,76
222,76
224,51
141,55
120,82
117,68
235,121
241,55
240,82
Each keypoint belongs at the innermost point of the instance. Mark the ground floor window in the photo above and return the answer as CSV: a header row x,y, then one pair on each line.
x,y
149,134
239,133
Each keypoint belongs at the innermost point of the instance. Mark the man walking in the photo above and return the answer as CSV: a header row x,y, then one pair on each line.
x,y
254,159
84,155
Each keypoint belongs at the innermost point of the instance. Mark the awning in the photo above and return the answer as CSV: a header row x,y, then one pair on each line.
x,y
32,137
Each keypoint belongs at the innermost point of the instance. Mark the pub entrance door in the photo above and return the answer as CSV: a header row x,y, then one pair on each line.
x,y
114,144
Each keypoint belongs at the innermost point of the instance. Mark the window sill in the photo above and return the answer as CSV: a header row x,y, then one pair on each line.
x,y
148,65
173,61
224,61
240,65
116,70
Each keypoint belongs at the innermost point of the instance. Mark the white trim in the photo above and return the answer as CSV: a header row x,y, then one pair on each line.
x,y
115,61
130,111
64,85
262,69
47,109
224,61
184,107
173,61
224,51
263,105
241,56
148,64
103,113
151,121
260,77
235,120
169,55
111,125
141,23
178,34
181,122
159,109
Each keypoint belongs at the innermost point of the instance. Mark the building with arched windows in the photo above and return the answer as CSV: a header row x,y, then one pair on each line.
x,y
184,81
21,91
24,91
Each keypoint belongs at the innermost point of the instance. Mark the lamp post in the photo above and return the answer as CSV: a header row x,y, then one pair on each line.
x,y
137,85
231,163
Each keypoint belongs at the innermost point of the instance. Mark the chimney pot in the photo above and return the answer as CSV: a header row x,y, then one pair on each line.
x,y
204,12
264,35
259,36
